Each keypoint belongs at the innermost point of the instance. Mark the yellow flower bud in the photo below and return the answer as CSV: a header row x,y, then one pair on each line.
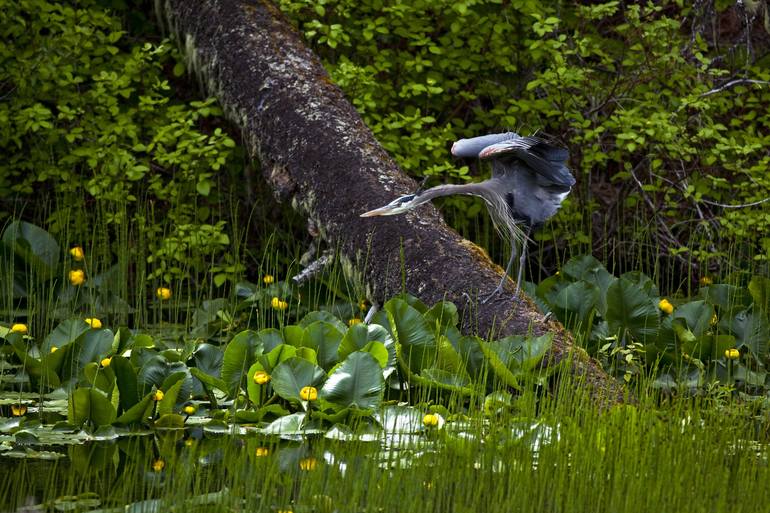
x,y
308,463
261,377
706,280
106,362
308,393
77,277
714,320
163,293
732,354
158,465
54,349
666,306
158,395
262,452
77,254
430,420
189,409
354,321
277,304
362,305
19,328
18,410
268,279
94,323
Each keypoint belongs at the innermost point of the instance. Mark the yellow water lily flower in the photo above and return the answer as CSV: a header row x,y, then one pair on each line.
x,y
732,354
158,465
158,395
278,304
189,409
77,254
268,279
18,410
262,452
54,349
94,323
706,280
163,293
714,320
77,277
666,306
106,362
20,328
261,377
354,321
308,463
362,305
308,393
430,420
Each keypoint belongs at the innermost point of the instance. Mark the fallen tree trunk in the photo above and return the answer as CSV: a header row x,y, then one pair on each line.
x,y
317,153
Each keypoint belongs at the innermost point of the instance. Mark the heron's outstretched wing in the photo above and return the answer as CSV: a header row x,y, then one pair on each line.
x,y
547,161
470,148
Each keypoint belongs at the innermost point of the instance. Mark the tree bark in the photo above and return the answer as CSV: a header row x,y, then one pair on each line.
x,y
317,153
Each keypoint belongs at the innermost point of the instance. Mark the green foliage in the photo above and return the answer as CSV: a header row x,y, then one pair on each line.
x,y
629,88
89,125
627,324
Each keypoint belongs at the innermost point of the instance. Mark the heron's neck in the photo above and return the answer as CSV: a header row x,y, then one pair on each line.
x,y
472,189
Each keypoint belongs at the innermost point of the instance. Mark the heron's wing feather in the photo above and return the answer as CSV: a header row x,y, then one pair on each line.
x,y
470,148
546,160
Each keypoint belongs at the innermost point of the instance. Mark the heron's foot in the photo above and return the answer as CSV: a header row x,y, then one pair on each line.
x,y
499,293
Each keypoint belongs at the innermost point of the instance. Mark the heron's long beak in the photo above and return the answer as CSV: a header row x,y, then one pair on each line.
x,y
382,211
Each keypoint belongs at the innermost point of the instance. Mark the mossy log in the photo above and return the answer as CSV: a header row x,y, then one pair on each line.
x,y
317,153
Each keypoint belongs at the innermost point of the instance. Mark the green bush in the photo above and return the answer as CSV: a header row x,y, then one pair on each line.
x,y
92,134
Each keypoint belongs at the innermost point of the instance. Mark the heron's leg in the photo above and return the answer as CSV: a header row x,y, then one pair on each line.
x,y
522,261
505,276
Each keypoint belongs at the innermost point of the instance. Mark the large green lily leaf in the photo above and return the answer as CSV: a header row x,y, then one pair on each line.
x,y
588,269
759,288
726,297
34,246
279,354
441,315
412,332
751,330
697,315
359,335
631,311
291,376
574,304
322,315
324,338
65,333
125,376
270,339
356,383
90,405
240,353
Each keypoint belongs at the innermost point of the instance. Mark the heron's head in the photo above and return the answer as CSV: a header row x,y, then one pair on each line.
x,y
396,206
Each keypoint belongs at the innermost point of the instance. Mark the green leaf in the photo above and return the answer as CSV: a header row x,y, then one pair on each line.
x,y
291,376
240,353
630,310
697,315
759,288
412,332
322,315
90,405
574,304
125,376
356,383
360,336
66,332
441,315
751,330
280,354
142,410
35,246
324,338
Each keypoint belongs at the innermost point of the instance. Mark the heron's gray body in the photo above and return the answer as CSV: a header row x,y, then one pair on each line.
x,y
530,179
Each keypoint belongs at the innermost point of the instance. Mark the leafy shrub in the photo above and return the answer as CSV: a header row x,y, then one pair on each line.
x,y
91,132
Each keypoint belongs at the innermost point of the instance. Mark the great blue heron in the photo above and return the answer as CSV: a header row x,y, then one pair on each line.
x,y
529,181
